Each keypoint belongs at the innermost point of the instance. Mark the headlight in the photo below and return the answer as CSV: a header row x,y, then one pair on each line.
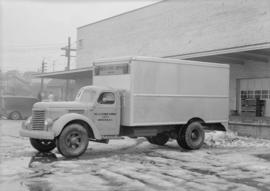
x,y
26,124
28,121
48,122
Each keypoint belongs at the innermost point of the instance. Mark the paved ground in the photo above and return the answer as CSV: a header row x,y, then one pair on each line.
x,y
226,162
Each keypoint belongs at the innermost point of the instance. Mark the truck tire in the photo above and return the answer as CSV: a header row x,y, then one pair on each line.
x,y
159,139
15,115
73,141
191,137
43,145
149,139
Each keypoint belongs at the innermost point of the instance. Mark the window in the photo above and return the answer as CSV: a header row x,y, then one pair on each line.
x,y
250,94
106,98
264,94
87,96
258,94
80,44
243,94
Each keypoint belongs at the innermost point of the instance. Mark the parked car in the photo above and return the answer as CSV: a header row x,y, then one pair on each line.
x,y
16,107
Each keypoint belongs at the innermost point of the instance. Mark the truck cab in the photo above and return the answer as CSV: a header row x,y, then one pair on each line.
x,y
95,109
104,110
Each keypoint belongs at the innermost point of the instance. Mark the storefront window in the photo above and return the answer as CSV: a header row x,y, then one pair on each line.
x,y
250,94
265,94
258,94
243,94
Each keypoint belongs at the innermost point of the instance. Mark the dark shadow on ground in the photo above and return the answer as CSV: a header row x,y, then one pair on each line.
x,y
264,156
38,186
42,158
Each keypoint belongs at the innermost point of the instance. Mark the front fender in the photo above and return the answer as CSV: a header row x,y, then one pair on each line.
x,y
60,123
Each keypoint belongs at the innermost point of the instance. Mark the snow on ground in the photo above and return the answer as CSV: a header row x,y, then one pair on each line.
x,y
226,162
230,139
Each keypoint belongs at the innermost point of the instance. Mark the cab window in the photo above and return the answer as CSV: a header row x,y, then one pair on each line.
x,y
106,98
87,96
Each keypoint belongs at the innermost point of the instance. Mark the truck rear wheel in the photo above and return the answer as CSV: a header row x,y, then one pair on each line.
x,y
159,139
191,137
43,145
73,141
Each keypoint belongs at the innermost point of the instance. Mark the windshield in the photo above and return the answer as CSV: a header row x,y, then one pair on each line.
x,y
86,95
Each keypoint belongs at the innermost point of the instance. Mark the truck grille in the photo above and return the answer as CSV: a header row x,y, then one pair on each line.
x,y
38,120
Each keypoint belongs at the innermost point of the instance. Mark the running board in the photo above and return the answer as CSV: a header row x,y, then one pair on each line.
x,y
105,141
112,137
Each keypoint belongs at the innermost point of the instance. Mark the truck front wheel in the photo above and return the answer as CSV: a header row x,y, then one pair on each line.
x,y
73,141
191,137
159,139
43,145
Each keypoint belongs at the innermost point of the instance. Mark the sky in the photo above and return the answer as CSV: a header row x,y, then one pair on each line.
x,y
35,30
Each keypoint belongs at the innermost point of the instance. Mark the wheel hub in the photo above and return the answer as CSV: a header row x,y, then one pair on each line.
x,y
194,135
74,140
45,142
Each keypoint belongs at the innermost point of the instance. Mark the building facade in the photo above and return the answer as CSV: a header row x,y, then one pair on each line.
x,y
236,32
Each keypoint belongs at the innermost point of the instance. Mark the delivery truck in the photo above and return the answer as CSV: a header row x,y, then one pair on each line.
x,y
155,98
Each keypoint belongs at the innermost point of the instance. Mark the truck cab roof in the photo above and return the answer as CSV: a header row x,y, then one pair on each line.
x,y
100,88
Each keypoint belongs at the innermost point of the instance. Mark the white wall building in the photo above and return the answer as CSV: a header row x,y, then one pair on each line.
x,y
236,32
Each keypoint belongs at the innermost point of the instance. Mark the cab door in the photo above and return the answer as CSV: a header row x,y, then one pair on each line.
x,y
107,113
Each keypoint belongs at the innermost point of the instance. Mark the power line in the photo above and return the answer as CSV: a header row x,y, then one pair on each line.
x,y
23,48
68,55
32,45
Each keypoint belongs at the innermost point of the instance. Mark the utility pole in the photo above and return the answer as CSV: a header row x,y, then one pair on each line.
x,y
1,86
43,69
53,65
68,50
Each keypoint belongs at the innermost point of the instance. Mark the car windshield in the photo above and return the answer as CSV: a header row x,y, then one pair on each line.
x,y
86,95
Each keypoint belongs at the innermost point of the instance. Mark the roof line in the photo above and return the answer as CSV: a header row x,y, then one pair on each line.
x,y
243,48
134,10
63,71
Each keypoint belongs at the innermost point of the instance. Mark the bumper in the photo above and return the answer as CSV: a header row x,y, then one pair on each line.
x,y
37,134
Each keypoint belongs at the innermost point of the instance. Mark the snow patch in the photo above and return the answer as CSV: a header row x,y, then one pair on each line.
x,y
231,139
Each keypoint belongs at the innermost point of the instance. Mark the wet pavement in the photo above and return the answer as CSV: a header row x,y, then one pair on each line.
x,y
226,162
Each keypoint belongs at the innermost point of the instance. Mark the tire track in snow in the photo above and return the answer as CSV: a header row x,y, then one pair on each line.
x,y
117,181
249,183
151,182
149,172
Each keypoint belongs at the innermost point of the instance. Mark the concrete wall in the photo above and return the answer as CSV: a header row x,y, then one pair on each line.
x,y
255,130
176,27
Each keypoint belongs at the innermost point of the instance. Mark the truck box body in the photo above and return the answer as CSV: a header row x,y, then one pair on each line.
x,y
159,91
